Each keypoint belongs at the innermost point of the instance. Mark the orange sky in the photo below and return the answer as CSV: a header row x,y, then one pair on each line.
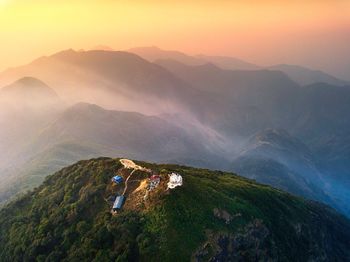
x,y
315,33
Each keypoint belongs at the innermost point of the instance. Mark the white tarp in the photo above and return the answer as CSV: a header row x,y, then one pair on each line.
x,y
129,164
175,180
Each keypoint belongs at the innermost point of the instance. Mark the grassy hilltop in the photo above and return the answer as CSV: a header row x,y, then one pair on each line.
x,y
213,216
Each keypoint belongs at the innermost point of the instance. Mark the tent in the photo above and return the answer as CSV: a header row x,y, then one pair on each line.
x,y
117,179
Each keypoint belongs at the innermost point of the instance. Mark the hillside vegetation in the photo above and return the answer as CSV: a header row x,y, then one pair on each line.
x,y
213,216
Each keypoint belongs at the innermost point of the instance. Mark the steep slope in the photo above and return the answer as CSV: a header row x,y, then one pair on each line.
x,y
305,76
285,163
213,216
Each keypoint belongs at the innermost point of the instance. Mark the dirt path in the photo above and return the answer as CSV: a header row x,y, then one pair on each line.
x,y
126,182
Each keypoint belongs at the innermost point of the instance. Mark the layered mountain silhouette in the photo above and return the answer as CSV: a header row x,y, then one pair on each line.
x,y
185,113
116,80
154,53
299,74
305,76
230,63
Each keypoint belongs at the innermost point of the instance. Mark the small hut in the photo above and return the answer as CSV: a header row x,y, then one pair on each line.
x,y
118,203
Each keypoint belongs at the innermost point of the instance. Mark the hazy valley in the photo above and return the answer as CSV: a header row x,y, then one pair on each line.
x,y
188,110
199,131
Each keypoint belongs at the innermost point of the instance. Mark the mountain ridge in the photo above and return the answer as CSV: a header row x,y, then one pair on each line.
x,y
300,74
219,108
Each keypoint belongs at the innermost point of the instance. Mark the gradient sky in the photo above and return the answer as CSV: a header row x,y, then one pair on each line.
x,y
315,33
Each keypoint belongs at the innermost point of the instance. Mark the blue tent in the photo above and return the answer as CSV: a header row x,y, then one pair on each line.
x,y
117,179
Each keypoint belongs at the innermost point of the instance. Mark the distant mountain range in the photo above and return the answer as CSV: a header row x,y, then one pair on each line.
x,y
111,79
305,76
154,53
257,121
301,75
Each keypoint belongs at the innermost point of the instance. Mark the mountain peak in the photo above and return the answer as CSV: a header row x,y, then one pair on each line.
x,y
83,107
69,51
29,84
30,81
29,92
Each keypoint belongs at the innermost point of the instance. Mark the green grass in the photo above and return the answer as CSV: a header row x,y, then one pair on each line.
x,y
68,219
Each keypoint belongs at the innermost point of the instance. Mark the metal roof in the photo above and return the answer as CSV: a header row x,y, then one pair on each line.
x,y
118,203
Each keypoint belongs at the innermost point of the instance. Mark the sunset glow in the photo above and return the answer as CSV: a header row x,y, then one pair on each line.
x,y
297,32
162,130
